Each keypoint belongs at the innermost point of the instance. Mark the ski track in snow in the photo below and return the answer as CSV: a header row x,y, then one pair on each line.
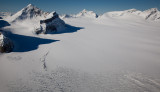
x,y
69,80
43,60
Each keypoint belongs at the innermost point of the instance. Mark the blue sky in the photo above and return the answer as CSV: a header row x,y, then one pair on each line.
x,y
74,6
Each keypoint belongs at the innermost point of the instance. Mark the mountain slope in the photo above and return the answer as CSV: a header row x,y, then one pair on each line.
x,y
29,12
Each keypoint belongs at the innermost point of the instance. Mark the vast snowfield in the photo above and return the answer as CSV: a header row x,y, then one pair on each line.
x,y
93,55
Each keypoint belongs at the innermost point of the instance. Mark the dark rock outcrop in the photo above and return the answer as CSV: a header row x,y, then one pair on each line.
x,y
51,24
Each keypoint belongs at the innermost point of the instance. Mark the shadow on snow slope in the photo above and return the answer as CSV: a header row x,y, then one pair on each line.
x,y
3,23
24,43
69,29
27,43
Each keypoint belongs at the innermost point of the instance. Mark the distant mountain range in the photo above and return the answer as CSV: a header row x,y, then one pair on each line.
x,y
150,14
5,14
31,11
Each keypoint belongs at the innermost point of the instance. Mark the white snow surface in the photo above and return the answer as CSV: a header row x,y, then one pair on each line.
x,y
103,55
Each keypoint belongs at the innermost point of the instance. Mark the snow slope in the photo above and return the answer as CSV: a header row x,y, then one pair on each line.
x,y
100,55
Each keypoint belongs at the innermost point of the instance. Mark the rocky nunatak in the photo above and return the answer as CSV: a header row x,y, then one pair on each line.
x,y
52,23
6,45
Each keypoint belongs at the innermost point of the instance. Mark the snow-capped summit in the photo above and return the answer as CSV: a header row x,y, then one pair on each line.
x,y
151,14
152,10
29,12
30,5
86,13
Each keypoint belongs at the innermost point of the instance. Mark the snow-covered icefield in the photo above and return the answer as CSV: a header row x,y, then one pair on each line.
x,y
98,55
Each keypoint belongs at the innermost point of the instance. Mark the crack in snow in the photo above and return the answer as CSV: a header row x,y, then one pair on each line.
x,y
43,59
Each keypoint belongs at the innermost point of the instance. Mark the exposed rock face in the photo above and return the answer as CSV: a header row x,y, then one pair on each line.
x,y
52,23
6,44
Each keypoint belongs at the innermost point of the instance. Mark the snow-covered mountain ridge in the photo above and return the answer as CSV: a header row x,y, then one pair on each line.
x,y
86,13
29,12
150,14
32,12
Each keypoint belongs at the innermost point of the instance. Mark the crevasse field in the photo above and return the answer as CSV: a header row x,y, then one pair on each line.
x,y
94,55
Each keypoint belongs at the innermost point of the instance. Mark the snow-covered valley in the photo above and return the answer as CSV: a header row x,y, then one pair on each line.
x,y
103,54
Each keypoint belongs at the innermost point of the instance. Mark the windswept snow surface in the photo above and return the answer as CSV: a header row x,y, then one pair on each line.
x,y
105,55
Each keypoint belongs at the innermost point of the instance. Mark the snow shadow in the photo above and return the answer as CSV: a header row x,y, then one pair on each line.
x,y
69,29
3,23
27,43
